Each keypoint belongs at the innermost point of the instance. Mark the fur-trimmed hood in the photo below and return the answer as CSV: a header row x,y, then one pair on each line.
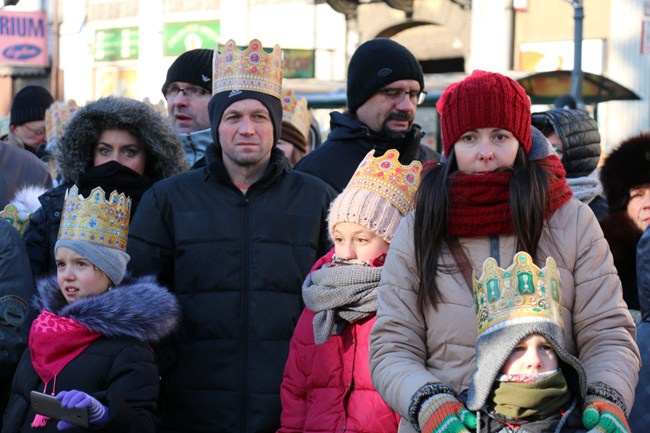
x,y
164,150
138,308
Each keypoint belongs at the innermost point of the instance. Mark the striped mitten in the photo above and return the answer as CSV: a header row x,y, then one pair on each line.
x,y
444,413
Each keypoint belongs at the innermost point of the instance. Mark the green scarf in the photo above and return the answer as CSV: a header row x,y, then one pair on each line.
x,y
539,399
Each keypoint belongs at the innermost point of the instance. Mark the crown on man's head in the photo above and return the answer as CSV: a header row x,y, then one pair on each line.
x,y
295,112
522,293
248,69
57,116
388,178
95,219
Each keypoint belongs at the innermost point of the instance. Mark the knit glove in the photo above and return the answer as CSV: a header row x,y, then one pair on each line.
x,y
97,412
444,413
602,416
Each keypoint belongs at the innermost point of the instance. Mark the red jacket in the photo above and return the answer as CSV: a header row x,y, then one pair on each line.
x,y
327,387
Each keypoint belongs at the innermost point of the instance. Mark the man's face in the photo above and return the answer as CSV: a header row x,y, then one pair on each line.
x,y
187,105
246,134
392,108
31,134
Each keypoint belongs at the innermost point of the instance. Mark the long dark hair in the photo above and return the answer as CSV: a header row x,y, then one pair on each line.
x,y
530,198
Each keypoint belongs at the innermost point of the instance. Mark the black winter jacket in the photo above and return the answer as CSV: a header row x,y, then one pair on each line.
x,y
349,141
118,369
236,263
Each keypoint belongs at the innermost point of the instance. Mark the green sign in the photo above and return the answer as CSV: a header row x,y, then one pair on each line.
x,y
298,63
181,37
116,44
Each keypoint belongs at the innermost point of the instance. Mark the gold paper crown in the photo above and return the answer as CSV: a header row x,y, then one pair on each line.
x,y
523,293
250,69
57,116
295,112
10,213
388,178
95,219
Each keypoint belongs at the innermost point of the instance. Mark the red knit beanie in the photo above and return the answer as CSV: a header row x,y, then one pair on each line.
x,y
484,100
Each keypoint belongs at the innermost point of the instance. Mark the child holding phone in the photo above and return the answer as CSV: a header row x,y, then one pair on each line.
x,y
90,344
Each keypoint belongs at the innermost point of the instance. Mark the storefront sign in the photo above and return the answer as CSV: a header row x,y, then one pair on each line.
x,y
23,39
116,44
181,37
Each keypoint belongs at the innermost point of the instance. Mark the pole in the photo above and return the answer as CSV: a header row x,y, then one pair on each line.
x,y
576,74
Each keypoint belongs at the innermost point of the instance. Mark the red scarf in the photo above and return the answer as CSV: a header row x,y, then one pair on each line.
x,y
480,203
54,341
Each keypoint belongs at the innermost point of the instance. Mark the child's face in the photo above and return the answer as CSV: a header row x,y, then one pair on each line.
x,y
533,355
77,277
354,241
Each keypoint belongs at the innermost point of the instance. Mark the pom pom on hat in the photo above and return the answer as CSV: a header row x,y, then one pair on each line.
x,y
484,100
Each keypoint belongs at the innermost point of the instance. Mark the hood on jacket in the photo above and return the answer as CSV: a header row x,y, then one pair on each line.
x,y
138,308
579,135
164,150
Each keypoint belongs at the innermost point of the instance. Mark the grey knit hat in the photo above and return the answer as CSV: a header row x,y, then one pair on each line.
x,y
512,304
379,194
110,261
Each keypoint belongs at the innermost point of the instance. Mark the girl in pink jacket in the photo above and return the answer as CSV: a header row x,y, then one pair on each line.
x,y
326,385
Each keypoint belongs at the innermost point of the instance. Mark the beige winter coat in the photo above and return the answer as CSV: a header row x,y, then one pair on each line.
x,y
411,347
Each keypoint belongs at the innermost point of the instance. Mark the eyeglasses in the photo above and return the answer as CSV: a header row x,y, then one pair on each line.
x,y
189,92
40,131
397,95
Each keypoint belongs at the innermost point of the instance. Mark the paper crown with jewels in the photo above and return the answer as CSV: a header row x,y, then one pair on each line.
x,y
387,177
295,112
95,219
57,116
11,214
248,69
522,293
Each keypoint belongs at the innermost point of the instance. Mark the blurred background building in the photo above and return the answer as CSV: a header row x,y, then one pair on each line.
x,y
93,48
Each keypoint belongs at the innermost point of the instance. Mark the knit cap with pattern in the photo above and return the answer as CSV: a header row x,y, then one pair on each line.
x,y
379,194
484,100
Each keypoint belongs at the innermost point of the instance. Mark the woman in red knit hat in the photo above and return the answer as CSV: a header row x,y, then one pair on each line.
x,y
500,190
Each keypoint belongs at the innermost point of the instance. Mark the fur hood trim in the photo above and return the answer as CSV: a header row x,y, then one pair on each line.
x,y
626,167
138,308
164,150
26,200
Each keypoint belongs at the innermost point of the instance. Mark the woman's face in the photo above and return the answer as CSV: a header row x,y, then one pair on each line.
x,y
77,277
638,208
120,146
485,149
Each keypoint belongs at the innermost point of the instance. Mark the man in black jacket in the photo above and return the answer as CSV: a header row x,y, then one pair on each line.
x,y
234,241
385,85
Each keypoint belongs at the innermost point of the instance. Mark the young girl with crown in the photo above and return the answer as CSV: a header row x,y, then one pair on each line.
x,y
326,385
90,344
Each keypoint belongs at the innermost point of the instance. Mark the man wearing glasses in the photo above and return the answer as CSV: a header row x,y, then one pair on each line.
x,y
385,86
27,119
188,89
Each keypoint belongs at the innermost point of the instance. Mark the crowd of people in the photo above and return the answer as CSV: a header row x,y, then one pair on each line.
x,y
212,270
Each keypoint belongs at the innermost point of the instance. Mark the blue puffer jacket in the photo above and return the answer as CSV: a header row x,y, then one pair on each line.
x,y
640,416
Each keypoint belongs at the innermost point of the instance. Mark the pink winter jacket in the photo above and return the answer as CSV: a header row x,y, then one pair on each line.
x,y
327,387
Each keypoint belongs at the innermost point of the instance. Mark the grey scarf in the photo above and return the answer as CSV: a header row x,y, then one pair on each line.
x,y
585,188
340,295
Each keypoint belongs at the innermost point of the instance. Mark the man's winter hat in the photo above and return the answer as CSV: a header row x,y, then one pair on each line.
x,y
579,135
194,66
512,304
30,104
377,63
296,120
484,100
626,167
379,194
250,73
97,229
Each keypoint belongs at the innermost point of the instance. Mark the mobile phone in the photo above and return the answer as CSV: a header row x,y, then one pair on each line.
x,y
49,406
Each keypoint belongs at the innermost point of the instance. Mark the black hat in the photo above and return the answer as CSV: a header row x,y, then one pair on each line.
x,y
30,104
375,64
223,100
194,66
626,167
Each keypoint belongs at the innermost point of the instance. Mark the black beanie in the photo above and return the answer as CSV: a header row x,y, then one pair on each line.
x,y
223,100
194,66
375,64
30,104
626,167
